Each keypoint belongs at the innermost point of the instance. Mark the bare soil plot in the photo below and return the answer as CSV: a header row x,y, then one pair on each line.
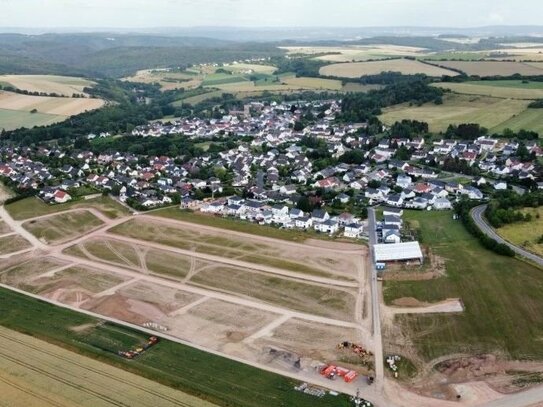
x,y
73,285
165,298
298,258
34,373
215,323
22,272
299,336
4,228
141,302
492,68
11,244
405,66
63,227
284,292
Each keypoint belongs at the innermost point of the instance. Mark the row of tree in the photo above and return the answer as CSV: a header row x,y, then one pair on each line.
x,y
463,209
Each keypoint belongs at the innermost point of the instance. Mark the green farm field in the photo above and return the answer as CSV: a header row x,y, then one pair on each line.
x,y
526,234
502,296
492,113
509,89
239,384
14,119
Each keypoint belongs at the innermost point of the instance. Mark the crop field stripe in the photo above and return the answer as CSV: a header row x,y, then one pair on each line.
x,y
62,380
30,392
90,369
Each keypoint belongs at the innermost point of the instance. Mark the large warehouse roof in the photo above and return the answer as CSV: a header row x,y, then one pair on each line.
x,y
397,251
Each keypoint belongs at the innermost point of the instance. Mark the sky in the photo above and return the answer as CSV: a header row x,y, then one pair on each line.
x,y
267,13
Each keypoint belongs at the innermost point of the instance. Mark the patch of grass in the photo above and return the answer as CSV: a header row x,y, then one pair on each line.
x,y
530,119
231,224
63,226
502,296
229,383
279,291
222,78
11,244
32,207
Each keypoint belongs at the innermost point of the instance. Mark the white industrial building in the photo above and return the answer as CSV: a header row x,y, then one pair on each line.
x,y
398,252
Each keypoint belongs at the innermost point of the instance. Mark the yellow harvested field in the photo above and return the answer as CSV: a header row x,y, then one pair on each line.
x,y
314,83
356,52
34,373
250,68
492,68
62,85
48,105
405,66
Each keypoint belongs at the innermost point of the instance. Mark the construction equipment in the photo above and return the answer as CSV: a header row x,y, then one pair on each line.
x,y
359,350
332,372
131,354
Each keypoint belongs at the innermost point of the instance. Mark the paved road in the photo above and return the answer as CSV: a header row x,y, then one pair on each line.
x,y
375,303
477,215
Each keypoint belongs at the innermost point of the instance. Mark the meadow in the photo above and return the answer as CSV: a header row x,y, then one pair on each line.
x,y
14,119
508,89
502,296
63,227
492,113
526,234
32,207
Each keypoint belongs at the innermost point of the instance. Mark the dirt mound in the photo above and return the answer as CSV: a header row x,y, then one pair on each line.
x,y
115,306
472,367
409,302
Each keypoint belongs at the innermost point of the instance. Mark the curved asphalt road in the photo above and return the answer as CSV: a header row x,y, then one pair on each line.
x,y
477,215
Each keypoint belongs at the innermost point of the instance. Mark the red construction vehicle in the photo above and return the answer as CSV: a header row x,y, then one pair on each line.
x,y
332,371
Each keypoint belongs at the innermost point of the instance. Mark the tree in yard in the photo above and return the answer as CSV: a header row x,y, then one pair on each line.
x,y
298,126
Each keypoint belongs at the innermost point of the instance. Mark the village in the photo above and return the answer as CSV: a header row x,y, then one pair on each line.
x,y
272,170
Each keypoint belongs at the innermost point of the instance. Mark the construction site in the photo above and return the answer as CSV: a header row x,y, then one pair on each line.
x,y
188,281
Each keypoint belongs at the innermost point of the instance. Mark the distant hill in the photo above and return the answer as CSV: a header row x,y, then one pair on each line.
x,y
115,55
